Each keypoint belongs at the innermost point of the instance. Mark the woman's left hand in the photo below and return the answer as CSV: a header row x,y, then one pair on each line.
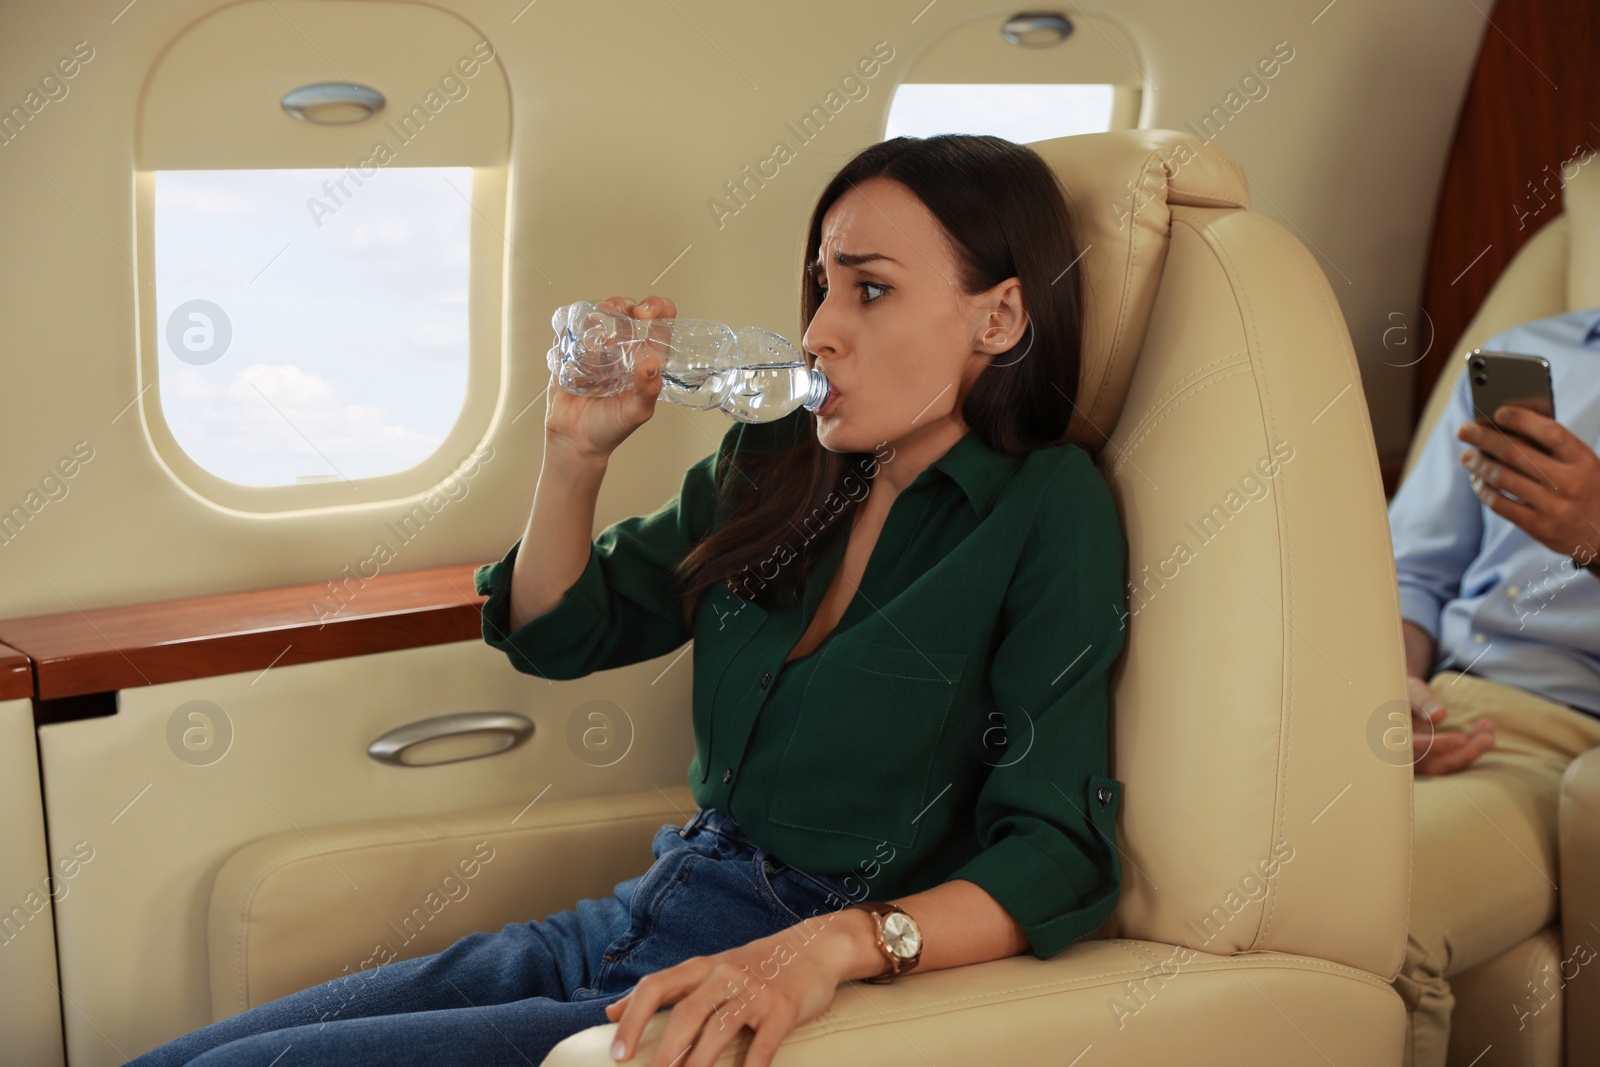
x,y
771,985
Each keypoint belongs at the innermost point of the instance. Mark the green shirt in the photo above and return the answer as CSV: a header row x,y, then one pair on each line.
x,y
955,722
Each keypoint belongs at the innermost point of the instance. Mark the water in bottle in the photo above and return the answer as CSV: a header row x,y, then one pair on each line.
x,y
752,375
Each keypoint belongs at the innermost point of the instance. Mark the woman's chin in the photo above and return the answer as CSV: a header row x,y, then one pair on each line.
x,y
836,438
832,436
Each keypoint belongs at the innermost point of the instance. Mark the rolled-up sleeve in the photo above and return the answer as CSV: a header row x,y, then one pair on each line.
x,y
1436,520
1046,812
624,608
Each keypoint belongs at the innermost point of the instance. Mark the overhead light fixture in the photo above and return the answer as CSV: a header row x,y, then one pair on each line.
x,y
1036,29
333,103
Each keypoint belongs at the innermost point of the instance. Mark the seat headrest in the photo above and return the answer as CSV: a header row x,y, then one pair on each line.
x,y
1580,178
1121,186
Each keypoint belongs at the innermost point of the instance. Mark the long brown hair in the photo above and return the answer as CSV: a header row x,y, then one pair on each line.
x,y
1006,215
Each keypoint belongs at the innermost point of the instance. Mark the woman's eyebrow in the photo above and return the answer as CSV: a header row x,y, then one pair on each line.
x,y
852,259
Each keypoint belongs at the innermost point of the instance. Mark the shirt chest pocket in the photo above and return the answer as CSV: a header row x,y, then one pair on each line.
x,y
860,759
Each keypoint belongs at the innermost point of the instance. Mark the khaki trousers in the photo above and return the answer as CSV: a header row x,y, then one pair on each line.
x,y
1484,855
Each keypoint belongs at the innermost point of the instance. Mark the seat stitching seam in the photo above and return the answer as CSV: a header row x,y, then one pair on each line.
x,y
1131,445
1286,565
1192,376
247,898
1217,964
1158,406
1286,735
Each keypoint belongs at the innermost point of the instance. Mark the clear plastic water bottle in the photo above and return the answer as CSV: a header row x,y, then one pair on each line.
x,y
752,375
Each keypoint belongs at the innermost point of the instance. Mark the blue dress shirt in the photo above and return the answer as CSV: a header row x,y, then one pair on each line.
x,y
1498,603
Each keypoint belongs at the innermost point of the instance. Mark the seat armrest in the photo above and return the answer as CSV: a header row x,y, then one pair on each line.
x,y
1130,1001
295,909
1579,866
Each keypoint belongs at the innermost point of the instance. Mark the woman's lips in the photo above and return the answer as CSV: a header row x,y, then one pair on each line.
x,y
831,403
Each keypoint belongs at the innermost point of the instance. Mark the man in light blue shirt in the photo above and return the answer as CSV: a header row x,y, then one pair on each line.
x,y
1500,606
1499,600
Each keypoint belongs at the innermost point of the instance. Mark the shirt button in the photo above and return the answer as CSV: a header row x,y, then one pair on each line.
x,y
1513,592
1103,795
1478,639
727,775
766,679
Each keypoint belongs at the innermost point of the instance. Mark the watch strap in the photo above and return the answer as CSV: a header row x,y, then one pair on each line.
x,y
879,909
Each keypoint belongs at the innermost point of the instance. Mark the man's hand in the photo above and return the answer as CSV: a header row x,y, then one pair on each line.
x,y
1559,487
1442,752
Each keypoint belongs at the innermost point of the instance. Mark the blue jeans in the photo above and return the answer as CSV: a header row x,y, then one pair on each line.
x,y
512,996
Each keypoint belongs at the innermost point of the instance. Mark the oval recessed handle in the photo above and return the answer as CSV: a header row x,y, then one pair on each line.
x,y
1036,29
333,103
393,746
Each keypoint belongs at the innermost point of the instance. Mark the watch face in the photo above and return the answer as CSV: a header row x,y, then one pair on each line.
x,y
900,933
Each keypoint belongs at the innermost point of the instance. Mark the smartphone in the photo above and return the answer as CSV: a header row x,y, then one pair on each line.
x,y
1509,378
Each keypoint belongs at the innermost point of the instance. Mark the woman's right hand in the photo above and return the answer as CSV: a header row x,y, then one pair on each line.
x,y
595,426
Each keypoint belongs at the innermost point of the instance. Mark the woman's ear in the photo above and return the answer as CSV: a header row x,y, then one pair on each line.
x,y
1000,317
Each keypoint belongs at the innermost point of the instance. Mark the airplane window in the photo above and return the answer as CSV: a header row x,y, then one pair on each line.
x,y
311,325
1020,113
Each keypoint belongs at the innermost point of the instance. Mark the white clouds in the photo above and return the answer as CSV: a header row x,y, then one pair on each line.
x,y
356,336
253,428
285,384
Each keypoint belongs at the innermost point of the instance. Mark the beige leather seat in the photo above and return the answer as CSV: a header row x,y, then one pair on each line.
x,y
1265,832
1498,1002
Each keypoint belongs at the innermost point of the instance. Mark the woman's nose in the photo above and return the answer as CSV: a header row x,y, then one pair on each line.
x,y
819,338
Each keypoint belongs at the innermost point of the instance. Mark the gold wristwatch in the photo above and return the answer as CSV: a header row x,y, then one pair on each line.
x,y
898,937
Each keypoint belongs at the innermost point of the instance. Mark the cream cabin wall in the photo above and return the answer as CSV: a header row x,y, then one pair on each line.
x,y
626,121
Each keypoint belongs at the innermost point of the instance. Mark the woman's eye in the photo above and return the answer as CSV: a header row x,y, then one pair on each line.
x,y
868,299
